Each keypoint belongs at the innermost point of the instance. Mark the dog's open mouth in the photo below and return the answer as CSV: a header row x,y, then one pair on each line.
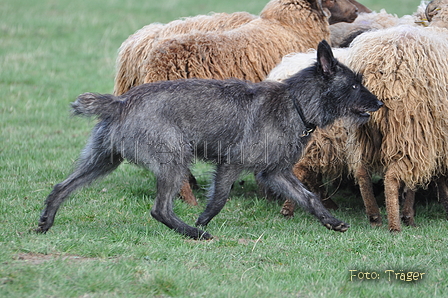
x,y
362,112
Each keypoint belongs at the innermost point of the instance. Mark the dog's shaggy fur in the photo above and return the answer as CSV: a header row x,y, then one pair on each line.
x,y
236,124
324,156
406,141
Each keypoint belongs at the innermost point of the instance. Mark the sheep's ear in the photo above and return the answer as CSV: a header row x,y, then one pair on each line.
x,y
325,58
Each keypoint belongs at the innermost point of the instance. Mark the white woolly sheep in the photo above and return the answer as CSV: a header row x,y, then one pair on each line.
x,y
343,33
430,14
433,14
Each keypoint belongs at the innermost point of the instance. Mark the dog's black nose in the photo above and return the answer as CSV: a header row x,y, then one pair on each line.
x,y
380,104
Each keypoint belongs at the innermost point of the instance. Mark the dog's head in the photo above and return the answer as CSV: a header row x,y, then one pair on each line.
x,y
343,94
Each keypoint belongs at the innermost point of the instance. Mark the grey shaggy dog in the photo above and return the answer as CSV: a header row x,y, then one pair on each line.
x,y
238,125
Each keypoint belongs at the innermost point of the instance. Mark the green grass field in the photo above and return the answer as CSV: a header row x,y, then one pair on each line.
x,y
104,242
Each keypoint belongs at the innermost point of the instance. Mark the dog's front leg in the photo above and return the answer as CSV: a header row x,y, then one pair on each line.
x,y
225,175
286,184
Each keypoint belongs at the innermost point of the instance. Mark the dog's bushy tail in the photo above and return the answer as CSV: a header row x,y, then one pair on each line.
x,y
93,104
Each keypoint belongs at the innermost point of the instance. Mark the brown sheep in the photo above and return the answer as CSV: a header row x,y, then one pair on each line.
x,y
247,52
134,51
311,168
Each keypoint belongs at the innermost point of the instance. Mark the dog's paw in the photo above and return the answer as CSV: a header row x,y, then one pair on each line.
x,y
202,221
39,230
205,236
337,225
201,235
44,225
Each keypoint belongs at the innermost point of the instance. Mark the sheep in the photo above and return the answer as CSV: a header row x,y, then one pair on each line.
x,y
343,33
405,67
247,52
432,14
134,51
311,168
133,54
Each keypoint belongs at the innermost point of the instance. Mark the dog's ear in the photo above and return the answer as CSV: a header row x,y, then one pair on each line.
x,y
325,58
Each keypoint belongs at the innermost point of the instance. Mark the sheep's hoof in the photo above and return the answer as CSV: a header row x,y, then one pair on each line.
x,y
394,230
408,220
287,212
375,220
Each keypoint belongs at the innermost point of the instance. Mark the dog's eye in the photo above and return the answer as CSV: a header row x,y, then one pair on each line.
x,y
355,86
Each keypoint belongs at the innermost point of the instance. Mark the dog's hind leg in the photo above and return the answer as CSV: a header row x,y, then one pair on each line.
x,y
225,175
92,164
287,185
170,178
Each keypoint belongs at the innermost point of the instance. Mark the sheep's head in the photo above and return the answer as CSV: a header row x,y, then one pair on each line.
x,y
432,8
341,10
280,10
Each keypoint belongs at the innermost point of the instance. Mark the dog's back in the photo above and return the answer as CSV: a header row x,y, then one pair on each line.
x,y
214,116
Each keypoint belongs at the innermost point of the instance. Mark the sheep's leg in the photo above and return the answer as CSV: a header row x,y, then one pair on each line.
x,y
225,175
93,164
408,213
288,208
365,186
442,189
314,182
286,184
169,182
391,189
186,194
